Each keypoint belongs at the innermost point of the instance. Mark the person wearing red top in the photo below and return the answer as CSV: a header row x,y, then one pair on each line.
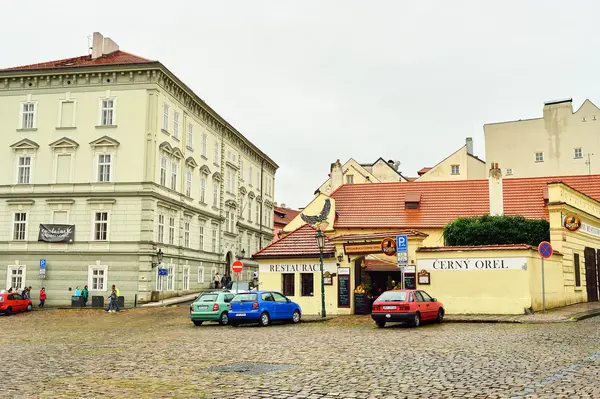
x,y
42,297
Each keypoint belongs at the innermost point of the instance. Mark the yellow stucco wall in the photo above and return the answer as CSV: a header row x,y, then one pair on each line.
x,y
469,168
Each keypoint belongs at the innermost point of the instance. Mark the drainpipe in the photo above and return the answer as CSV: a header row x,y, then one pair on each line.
x,y
262,205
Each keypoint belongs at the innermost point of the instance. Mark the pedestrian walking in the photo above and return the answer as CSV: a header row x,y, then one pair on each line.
x,y
42,298
113,301
85,293
217,279
77,291
223,281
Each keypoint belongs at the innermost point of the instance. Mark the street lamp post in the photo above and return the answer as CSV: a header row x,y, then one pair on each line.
x,y
321,243
241,256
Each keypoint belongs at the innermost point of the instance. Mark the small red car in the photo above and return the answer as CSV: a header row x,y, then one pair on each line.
x,y
411,306
11,302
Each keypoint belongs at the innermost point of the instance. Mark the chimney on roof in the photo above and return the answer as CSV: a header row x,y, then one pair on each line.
x,y
495,190
109,46
336,174
97,44
469,145
283,206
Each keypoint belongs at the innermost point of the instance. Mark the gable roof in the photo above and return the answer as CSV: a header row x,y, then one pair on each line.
x,y
115,58
381,205
300,243
283,216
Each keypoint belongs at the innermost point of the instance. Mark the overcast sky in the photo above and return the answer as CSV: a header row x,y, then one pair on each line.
x,y
309,82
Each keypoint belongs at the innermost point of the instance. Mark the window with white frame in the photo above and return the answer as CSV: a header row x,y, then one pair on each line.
x,y
217,153
215,193
204,144
201,273
258,205
176,125
16,277
258,182
203,189
107,112
28,115
214,238
201,237
228,180
104,167
509,172
232,221
174,170
163,171
171,278
250,175
455,169
186,234
578,153
186,278
249,210
188,182
241,169
24,170
539,157
190,136
227,216
249,238
98,278
165,117
20,226
160,281
100,226
171,230
161,228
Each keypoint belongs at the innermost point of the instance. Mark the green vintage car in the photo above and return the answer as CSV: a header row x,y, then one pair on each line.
x,y
211,306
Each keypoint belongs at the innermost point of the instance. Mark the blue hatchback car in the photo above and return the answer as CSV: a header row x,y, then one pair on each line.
x,y
262,307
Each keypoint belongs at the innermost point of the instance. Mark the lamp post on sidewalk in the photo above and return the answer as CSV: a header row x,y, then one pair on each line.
x,y
321,244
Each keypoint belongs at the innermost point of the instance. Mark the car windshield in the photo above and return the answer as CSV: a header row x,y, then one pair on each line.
x,y
393,296
244,298
239,286
207,298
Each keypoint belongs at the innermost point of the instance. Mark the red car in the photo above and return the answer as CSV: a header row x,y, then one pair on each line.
x,y
11,302
411,306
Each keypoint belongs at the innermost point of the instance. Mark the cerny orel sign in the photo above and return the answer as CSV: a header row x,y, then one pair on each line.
x,y
473,264
297,268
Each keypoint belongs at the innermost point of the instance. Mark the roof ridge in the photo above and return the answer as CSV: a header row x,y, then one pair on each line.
x,y
285,237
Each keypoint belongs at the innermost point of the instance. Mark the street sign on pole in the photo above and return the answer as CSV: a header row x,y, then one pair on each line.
x,y
237,266
402,243
163,272
42,268
545,250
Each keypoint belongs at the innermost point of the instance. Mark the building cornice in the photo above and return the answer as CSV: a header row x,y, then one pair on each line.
x,y
109,76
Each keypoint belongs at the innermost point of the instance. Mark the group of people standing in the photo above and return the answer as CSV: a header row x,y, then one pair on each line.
x,y
84,293
223,281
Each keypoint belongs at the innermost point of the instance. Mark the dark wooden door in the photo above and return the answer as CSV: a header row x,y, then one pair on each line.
x,y
591,274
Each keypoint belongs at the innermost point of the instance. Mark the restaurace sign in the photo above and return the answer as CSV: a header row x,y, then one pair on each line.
x,y
297,268
473,264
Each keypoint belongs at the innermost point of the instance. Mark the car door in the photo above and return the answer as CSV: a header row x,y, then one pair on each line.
x,y
283,309
421,306
268,304
428,306
435,306
16,302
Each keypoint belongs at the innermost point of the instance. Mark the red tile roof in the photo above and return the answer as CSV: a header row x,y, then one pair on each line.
x,y
381,205
282,216
115,58
424,170
378,235
300,243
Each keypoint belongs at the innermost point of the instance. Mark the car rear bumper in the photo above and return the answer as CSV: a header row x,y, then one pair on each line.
x,y
198,316
248,317
393,316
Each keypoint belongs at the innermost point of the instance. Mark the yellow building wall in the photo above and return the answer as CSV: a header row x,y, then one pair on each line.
x,y
554,282
443,170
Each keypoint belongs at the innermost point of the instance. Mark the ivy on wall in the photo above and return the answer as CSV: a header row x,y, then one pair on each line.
x,y
490,230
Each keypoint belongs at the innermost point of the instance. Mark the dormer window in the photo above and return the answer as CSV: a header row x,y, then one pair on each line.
x,y
412,200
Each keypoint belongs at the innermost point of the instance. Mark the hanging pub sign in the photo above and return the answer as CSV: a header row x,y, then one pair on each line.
x,y
363,248
424,277
572,222
388,246
57,233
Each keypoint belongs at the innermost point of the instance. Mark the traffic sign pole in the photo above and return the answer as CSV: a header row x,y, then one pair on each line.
x,y
545,250
543,289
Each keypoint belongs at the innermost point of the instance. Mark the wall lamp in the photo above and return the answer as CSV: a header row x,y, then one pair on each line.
x,y
159,258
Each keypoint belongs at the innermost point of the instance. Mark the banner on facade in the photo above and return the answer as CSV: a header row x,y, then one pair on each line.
x,y
57,233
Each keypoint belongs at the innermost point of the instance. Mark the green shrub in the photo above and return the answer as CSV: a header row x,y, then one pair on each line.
x,y
489,230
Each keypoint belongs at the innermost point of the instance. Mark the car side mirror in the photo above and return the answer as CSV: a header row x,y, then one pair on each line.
x,y
434,300
288,300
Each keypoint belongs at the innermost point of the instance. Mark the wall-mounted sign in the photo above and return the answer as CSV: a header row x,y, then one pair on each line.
x,y
363,248
473,264
57,233
343,291
343,271
589,229
424,277
388,246
572,222
327,278
296,267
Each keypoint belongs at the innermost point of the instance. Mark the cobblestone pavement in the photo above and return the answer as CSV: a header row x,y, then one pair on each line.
x,y
158,353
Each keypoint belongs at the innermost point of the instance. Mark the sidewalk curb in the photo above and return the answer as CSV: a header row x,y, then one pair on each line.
x,y
585,315
317,320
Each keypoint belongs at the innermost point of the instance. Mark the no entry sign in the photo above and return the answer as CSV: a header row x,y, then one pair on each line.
x,y
237,266
545,249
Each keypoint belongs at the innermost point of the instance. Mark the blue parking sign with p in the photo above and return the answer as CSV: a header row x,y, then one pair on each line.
x,y
402,243
42,263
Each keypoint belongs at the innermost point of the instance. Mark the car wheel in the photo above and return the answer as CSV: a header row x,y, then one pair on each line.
x,y
265,319
440,316
380,324
417,320
29,308
8,311
224,319
197,323
296,317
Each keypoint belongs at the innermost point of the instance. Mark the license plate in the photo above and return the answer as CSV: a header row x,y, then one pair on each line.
x,y
203,307
240,314
389,308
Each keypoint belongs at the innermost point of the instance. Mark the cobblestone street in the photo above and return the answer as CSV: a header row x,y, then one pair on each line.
x,y
158,353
